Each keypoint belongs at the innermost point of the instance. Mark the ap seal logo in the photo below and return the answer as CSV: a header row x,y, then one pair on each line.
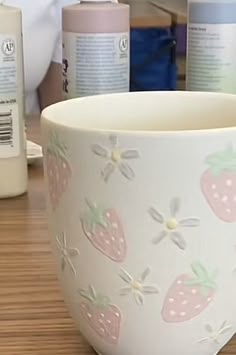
x,y
124,44
8,47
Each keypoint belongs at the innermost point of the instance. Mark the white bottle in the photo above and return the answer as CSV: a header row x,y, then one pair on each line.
x,y
13,163
211,54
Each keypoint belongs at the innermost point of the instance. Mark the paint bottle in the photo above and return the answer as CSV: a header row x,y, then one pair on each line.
x,y
211,55
96,50
13,163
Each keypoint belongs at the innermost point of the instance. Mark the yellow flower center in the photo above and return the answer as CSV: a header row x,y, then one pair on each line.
x,y
137,285
172,224
214,336
116,156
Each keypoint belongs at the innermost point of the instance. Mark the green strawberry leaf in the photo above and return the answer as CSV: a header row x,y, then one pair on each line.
x,y
206,287
102,301
98,300
87,295
202,278
92,292
56,146
222,161
199,270
96,216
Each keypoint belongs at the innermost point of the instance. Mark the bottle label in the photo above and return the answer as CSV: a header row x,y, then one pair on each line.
x,y
9,115
211,62
95,63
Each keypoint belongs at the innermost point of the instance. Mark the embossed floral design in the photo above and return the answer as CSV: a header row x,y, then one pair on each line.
x,y
218,183
189,294
137,286
101,315
172,226
214,334
58,167
66,253
115,158
103,228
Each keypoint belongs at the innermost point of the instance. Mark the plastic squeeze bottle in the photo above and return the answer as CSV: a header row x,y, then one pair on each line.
x,y
211,55
96,56
13,162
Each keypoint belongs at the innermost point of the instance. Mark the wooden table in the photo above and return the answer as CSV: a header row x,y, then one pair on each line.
x,y
143,14
33,317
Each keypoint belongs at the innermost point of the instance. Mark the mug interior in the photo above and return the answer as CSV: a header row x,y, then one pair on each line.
x,y
146,111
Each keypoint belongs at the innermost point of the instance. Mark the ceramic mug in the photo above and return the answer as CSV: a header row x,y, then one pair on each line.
x,y
141,192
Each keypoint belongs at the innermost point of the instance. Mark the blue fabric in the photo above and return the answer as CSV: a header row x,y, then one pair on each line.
x,y
152,65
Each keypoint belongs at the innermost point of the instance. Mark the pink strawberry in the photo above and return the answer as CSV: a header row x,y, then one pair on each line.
x,y
189,295
58,170
103,317
104,230
218,184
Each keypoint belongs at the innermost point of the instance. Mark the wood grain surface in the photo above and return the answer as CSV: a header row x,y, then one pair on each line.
x,y
33,317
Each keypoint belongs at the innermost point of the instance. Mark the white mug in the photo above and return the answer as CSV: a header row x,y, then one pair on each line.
x,y
141,191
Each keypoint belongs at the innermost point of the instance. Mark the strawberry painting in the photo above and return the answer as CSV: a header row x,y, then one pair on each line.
x,y
218,184
189,295
103,228
58,169
101,316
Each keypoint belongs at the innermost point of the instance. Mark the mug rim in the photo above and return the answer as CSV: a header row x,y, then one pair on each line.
x,y
48,114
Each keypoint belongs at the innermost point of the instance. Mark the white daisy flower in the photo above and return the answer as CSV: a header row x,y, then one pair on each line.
x,y
214,334
66,253
137,287
171,225
115,158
